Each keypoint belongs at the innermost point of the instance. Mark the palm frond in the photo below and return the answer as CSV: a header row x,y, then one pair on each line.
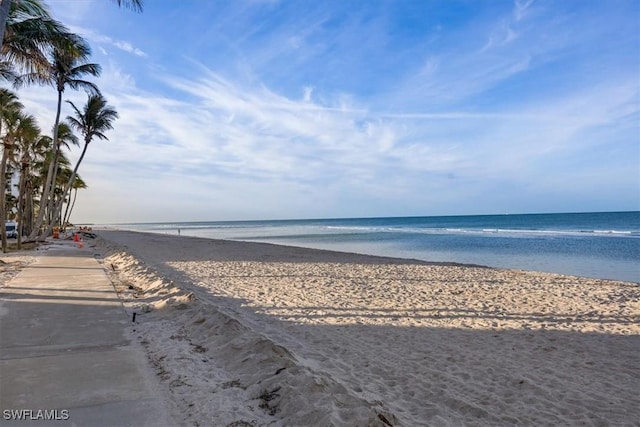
x,y
131,4
7,72
32,79
9,100
88,86
29,35
66,136
70,48
95,118
28,8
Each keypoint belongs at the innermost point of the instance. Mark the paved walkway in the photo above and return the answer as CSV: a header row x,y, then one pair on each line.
x,y
64,349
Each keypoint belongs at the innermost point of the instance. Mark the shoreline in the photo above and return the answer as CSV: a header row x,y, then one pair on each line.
x,y
282,252
364,256
598,245
267,334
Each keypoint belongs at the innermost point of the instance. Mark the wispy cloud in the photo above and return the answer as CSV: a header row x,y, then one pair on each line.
x,y
101,39
127,47
521,9
226,137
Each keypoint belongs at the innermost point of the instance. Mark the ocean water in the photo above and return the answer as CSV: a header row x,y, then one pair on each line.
x,y
600,245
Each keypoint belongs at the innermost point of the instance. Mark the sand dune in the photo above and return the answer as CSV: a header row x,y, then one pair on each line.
x,y
256,334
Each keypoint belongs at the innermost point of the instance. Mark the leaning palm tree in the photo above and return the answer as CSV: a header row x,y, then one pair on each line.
x,y
66,137
67,68
63,174
92,122
78,184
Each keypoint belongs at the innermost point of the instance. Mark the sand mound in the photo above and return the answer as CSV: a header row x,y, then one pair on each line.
x,y
218,369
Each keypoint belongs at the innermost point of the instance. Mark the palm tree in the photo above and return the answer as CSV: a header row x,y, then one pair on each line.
x,y
34,172
11,121
10,110
29,34
63,174
19,126
8,103
6,6
27,140
78,184
67,68
92,122
65,138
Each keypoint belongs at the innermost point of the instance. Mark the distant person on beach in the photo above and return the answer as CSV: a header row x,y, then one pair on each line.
x,y
178,231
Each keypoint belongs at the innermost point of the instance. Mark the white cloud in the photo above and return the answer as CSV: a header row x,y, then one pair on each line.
x,y
521,8
127,47
95,37
307,92
228,149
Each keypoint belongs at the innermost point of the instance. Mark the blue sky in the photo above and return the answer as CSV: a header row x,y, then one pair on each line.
x,y
261,109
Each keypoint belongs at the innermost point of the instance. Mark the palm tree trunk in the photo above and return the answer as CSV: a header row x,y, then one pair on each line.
x,y
3,199
28,208
58,209
67,211
3,226
54,178
5,5
49,183
22,201
73,204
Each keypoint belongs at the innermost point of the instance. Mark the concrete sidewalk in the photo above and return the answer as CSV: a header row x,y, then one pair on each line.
x,y
64,349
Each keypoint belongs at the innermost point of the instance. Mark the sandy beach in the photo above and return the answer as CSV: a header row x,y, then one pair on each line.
x,y
249,334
